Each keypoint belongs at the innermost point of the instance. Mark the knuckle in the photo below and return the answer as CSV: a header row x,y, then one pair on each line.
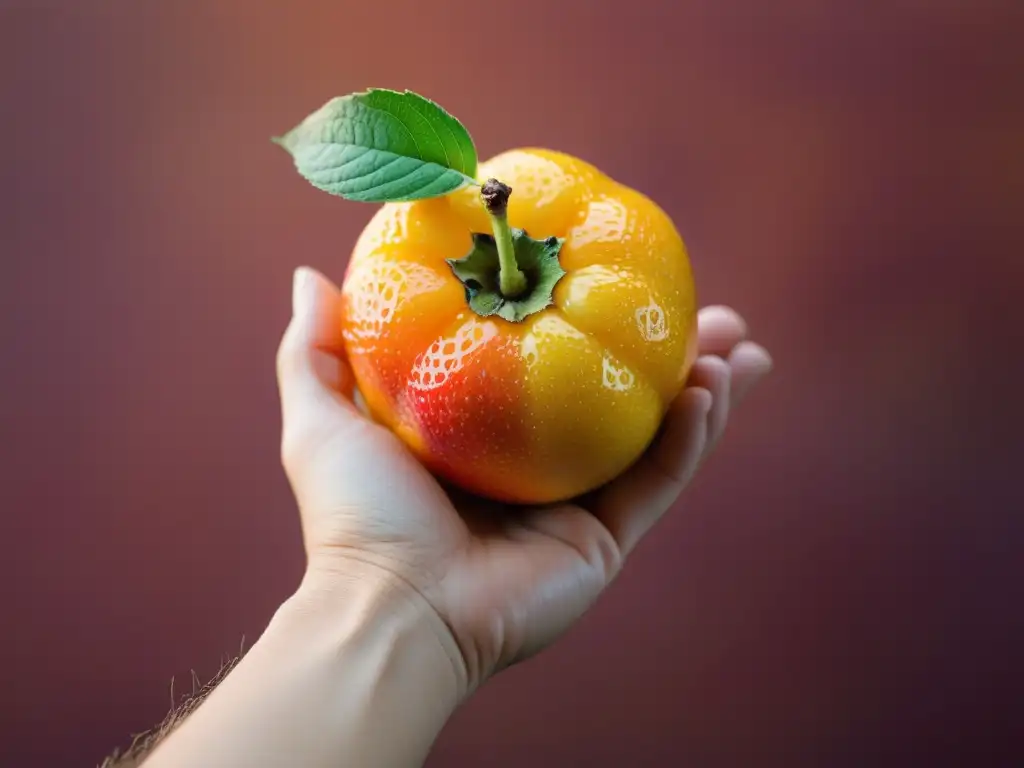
x,y
606,555
287,352
297,444
291,451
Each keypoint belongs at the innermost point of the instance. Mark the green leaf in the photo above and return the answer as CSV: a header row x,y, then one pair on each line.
x,y
479,272
382,146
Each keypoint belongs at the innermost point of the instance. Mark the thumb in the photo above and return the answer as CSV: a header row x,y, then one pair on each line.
x,y
315,382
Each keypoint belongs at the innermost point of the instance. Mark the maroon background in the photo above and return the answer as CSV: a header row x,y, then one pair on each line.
x,y
841,587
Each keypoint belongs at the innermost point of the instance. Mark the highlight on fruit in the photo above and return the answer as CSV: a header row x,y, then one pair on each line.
x,y
522,324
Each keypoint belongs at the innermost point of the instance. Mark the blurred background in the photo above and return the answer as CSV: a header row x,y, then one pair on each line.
x,y
843,585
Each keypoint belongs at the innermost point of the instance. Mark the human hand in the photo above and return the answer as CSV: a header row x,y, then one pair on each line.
x,y
505,581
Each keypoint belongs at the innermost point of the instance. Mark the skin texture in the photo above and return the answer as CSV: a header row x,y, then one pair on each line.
x,y
414,597
549,408
506,581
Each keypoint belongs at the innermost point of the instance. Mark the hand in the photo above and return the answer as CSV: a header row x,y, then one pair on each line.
x,y
506,582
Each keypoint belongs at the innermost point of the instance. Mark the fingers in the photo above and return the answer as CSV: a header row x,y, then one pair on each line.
x,y
719,329
749,363
728,374
714,374
726,371
314,381
634,502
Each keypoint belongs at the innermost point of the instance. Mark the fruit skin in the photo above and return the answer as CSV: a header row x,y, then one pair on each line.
x,y
548,408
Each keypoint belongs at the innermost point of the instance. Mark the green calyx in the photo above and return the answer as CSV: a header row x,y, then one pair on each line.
x,y
480,272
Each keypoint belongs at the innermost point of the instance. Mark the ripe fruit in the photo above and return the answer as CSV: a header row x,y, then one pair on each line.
x,y
553,405
528,368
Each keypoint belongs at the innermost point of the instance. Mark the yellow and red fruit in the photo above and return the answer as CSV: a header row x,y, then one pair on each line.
x,y
558,403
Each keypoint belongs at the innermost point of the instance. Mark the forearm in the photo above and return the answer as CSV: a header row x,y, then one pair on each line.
x,y
361,673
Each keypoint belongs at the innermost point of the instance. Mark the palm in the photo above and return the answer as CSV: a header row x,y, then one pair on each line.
x,y
529,572
507,582
521,584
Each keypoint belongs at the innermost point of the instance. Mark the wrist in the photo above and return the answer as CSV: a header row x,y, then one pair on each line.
x,y
349,605
355,668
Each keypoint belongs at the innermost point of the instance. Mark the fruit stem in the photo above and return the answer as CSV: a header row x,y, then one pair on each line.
x,y
511,280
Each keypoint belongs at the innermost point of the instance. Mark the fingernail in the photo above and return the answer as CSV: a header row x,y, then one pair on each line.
x,y
302,280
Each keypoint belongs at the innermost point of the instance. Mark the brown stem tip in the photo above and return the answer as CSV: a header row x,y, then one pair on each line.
x,y
495,197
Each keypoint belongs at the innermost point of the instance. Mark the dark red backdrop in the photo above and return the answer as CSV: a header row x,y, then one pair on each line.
x,y
842,585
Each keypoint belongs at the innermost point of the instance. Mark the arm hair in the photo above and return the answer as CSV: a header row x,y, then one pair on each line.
x,y
143,744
